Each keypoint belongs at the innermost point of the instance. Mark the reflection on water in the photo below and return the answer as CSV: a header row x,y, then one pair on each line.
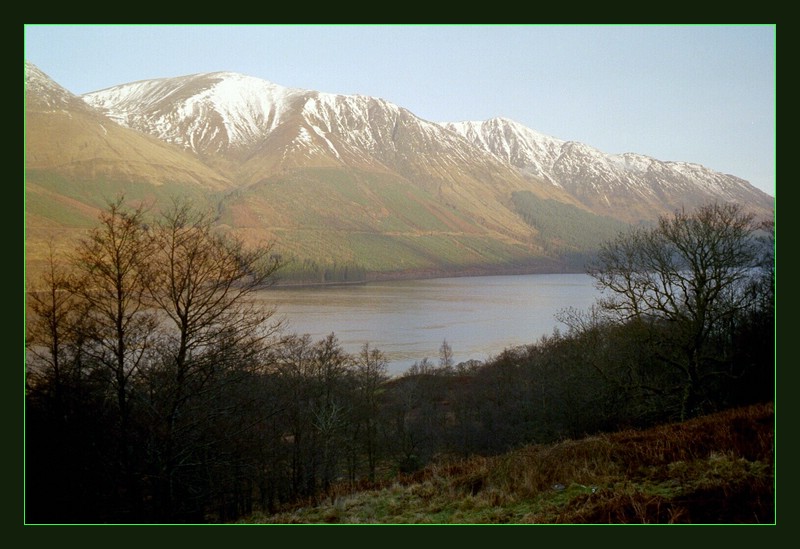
x,y
409,319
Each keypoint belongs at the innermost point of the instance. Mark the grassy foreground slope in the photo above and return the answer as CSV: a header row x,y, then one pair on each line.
x,y
717,469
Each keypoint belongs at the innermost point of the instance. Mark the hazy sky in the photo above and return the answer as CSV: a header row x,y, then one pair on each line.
x,y
692,93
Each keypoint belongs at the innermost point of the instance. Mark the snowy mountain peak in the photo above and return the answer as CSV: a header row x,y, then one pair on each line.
x,y
222,111
244,117
231,113
44,91
505,129
368,123
527,150
209,111
606,183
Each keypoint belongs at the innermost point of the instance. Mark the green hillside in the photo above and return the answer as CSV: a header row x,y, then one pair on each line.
x,y
377,221
418,202
325,220
563,226
60,209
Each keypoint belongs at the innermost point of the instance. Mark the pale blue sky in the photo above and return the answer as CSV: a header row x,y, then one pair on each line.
x,y
692,93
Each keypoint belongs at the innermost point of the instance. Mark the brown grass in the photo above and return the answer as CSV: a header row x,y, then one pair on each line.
x,y
717,469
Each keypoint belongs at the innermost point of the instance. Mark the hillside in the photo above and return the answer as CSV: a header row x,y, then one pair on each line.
x,y
76,159
341,180
629,186
716,469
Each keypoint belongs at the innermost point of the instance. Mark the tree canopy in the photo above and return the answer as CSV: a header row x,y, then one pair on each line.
x,y
693,272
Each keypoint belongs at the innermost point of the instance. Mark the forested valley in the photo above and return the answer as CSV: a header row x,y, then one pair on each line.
x,y
158,392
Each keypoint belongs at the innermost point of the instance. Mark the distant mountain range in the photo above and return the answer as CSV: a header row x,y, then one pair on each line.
x,y
343,184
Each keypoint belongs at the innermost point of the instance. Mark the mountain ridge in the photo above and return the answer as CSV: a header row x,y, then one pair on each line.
x,y
251,109
633,181
340,178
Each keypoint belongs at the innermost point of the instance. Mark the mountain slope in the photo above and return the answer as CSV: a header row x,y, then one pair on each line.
x,y
628,186
267,129
342,179
321,172
76,159
65,136
205,113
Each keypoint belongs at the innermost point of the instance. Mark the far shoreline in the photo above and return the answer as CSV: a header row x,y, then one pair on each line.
x,y
426,274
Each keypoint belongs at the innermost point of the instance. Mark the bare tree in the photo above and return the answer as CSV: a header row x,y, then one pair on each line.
x,y
371,372
446,361
163,320
112,265
116,328
212,335
201,280
689,274
54,312
332,405
69,425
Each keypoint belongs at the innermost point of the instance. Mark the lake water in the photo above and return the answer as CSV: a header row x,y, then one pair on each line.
x,y
408,320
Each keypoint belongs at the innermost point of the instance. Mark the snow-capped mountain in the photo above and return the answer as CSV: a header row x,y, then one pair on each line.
x,y
345,179
206,113
265,127
611,184
329,178
223,112
46,95
525,149
66,136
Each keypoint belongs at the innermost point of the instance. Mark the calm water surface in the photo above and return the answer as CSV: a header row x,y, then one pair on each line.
x,y
409,319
